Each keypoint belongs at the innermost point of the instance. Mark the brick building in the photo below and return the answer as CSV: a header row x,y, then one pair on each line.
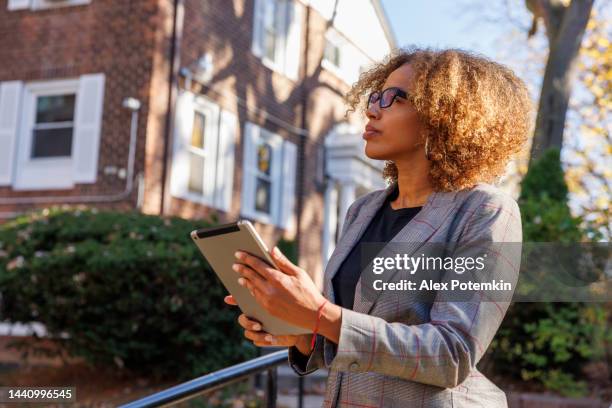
x,y
188,108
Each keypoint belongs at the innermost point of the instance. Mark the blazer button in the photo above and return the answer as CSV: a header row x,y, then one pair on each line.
x,y
354,365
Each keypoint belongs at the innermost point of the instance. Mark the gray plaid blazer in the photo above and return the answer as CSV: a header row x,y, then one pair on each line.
x,y
396,352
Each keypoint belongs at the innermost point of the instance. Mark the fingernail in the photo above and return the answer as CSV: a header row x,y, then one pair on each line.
x,y
277,251
235,267
238,254
269,338
256,327
241,281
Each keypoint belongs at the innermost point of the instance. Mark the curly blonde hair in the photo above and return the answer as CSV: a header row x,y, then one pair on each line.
x,y
476,113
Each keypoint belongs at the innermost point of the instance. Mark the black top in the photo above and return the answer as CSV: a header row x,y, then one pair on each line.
x,y
385,224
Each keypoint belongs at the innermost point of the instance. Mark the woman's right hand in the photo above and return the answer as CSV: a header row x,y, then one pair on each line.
x,y
253,331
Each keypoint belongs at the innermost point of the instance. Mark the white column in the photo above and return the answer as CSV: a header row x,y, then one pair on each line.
x,y
347,196
330,220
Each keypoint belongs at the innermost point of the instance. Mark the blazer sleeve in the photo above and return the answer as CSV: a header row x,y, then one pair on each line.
x,y
321,356
443,351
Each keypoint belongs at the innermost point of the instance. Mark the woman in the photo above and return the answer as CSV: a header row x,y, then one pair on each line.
x,y
447,123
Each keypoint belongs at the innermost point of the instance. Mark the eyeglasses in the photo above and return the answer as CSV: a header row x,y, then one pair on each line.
x,y
386,97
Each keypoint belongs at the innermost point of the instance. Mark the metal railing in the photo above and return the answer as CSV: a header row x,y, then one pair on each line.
x,y
218,379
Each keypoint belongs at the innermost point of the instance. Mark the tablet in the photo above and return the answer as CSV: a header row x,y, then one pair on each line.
x,y
218,245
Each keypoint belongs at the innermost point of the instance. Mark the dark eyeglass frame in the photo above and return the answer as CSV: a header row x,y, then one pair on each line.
x,y
378,96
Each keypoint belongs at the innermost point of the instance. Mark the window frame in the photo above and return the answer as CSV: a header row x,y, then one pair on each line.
x,y
247,207
334,38
60,166
280,64
212,115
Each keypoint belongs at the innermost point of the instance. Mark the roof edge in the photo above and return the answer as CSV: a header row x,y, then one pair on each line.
x,y
386,24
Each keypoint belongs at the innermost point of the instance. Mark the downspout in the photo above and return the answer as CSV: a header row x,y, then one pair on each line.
x,y
303,136
134,106
174,57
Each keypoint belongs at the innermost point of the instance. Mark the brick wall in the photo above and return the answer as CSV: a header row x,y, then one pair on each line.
x,y
116,38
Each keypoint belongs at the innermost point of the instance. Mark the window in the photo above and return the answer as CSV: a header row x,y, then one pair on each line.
x,y
203,159
52,132
197,154
268,185
263,177
341,57
332,53
276,35
53,126
275,18
43,4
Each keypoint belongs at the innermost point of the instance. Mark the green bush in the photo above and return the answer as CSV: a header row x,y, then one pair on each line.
x,y
120,288
550,342
289,249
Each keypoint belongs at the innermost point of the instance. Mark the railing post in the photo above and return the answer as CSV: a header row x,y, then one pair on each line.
x,y
272,389
300,392
258,374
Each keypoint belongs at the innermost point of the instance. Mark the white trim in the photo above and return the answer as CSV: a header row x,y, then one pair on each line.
x,y
11,96
289,33
228,124
47,4
217,156
52,173
18,4
252,136
87,128
41,173
351,58
287,218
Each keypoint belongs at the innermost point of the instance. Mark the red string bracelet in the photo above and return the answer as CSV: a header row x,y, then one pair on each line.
x,y
316,329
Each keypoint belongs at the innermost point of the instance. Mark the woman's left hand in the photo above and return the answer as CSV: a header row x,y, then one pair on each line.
x,y
287,293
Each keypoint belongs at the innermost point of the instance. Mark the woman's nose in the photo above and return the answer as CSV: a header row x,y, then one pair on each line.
x,y
373,111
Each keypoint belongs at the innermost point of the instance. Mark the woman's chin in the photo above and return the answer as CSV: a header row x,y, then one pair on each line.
x,y
375,153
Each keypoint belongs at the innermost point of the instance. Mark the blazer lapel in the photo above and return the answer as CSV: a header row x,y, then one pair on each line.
x,y
414,235
351,236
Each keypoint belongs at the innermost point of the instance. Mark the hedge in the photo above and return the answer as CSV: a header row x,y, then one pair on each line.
x,y
122,289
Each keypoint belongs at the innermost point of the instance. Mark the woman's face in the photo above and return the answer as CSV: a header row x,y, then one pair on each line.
x,y
397,125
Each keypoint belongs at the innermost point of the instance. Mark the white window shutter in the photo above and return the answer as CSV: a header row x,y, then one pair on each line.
x,y
211,112
10,106
251,135
258,21
183,124
87,128
293,50
18,4
225,160
277,179
287,213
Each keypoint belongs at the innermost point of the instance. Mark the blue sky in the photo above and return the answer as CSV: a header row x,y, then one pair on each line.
x,y
439,23
486,27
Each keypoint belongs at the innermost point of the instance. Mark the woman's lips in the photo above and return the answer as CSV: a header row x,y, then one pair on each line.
x,y
370,133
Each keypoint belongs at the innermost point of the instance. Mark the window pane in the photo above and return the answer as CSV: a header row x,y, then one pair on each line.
x,y
269,43
55,108
197,134
52,142
264,157
332,53
274,21
196,173
262,195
